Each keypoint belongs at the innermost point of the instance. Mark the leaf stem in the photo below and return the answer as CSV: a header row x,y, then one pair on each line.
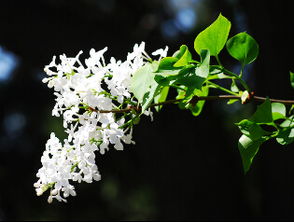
x,y
243,83
222,88
218,60
197,98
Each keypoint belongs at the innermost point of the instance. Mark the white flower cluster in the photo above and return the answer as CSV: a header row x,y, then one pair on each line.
x,y
85,97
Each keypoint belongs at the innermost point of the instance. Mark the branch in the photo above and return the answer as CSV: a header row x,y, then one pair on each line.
x,y
193,100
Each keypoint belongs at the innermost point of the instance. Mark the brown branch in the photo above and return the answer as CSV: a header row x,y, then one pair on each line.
x,y
194,100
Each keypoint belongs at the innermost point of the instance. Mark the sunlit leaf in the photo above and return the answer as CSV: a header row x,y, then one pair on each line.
x,y
278,111
184,58
214,37
243,48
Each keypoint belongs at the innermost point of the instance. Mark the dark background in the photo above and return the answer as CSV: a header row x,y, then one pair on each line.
x,y
181,167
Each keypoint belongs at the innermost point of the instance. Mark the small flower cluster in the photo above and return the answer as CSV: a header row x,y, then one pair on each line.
x,y
86,94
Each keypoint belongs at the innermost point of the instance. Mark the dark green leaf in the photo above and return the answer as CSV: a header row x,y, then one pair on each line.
x,y
263,113
285,136
248,149
213,37
251,129
243,48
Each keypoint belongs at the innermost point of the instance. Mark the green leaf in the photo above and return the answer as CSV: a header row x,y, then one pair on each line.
x,y
263,114
167,65
278,111
292,79
203,69
143,80
288,122
231,101
214,37
149,96
285,136
248,149
243,48
234,86
182,95
184,58
161,97
251,129
196,109
188,78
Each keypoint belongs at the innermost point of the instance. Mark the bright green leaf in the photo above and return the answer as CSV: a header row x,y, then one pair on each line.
x,y
278,111
248,149
161,97
185,57
214,37
243,48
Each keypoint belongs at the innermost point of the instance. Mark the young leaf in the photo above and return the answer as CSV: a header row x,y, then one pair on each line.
x,y
248,149
214,37
292,79
184,58
243,48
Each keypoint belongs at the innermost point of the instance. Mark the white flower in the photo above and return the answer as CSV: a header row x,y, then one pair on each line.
x,y
81,93
161,52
